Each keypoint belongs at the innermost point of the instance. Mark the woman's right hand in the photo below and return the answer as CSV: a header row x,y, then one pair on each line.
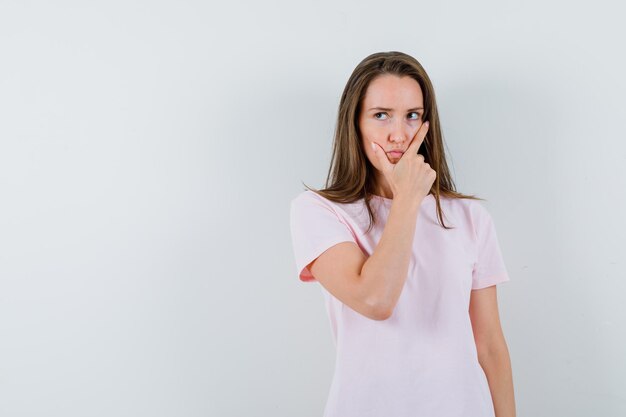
x,y
410,177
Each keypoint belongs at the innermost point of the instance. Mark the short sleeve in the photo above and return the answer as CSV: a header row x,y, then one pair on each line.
x,y
489,268
315,227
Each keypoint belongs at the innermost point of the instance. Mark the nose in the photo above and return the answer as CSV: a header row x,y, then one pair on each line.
x,y
399,133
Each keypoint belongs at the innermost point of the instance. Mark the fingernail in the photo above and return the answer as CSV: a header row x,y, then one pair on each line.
x,y
427,123
373,146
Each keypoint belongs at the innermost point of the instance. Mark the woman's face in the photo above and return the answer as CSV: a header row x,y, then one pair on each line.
x,y
391,113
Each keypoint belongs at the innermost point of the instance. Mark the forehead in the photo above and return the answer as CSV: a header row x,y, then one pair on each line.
x,y
393,91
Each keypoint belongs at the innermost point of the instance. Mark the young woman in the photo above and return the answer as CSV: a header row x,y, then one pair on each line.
x,y
411,297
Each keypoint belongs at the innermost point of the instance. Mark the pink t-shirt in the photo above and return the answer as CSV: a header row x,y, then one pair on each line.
x,y
421,361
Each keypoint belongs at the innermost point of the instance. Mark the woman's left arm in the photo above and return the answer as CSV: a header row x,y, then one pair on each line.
x,y
493,353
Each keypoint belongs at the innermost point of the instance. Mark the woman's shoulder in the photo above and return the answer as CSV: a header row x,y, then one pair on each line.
x,y
473,212
464,203
312,196
310,201
308,196
465,210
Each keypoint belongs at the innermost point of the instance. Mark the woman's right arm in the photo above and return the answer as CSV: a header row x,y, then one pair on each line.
x,y
372,285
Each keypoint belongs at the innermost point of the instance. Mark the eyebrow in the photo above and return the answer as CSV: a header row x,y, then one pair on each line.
x,y
387,109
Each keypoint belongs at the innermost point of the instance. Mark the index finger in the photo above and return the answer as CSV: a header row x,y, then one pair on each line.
x,y
419,138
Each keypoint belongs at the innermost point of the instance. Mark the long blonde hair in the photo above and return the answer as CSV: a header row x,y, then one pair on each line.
x,y
351,174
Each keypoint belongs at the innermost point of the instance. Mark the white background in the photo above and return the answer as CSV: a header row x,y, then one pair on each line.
x,y
149,151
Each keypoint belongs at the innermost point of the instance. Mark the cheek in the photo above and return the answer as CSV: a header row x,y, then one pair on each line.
x,y
373,130
370,154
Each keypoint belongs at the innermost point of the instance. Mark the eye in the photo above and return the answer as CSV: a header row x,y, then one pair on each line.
x,y
417,115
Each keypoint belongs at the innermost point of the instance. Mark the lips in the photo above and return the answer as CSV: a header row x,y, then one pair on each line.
x,y
395,154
